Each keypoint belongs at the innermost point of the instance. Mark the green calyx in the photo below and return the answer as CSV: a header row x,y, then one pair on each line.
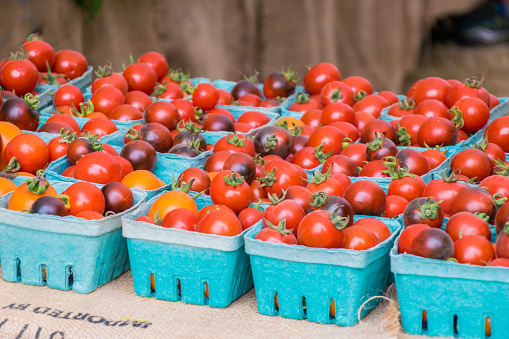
x,y
320,178
133,134
483,144
32,100
19,55
52,79
302,98
188,126
454,176
318,199
336,95
252,78
297,130
360,95
391,162
319,155
499,199
483,216
406,103
233,139
93,138
429,210
259,160
281,226
292,76
34,37
187,87
339,221
274,199
403,137
38,185
269,179
377,143
65,200
157,218
506,227
399,172
104,71
159,89
473,82
195,143
457,120
271,143
67,137
501,168
86,108
234,180
178,75
13,166
131,62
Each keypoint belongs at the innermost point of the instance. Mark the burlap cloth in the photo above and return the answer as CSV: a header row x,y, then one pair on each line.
x,y
115,311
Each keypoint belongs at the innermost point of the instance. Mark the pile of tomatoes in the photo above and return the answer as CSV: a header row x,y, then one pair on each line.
x,y
305,175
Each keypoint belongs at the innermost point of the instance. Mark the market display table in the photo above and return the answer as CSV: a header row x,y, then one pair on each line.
x,y
115,311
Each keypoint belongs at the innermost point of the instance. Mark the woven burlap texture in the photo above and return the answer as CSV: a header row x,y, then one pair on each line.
x,y
115,311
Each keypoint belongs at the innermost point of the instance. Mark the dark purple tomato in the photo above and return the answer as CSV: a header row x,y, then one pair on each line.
x,y
244,87
273,140
432,243
140,154
423,211
55,127
217,123
242,164
49,205
185,150
118,197
157,135
19,112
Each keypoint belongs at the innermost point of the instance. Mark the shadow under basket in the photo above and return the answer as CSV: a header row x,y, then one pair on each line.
x,y
308,280
65,253
179,265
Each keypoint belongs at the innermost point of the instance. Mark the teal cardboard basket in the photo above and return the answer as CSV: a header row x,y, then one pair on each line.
x,y
317,276
81,82
181,262
75,253
457,298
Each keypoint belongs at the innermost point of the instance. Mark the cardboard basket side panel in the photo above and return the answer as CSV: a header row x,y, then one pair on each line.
x,y
93,261
295,282
453,306
227,273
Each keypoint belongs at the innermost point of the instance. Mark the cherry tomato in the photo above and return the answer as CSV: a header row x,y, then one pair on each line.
x,y
250,216
407,235
205,96
317,229
140,77
138,99
157,62
432,243
466,223
106,99
498,132
98,167
228,189
431,88
473,250
180,218
40,53
280,84
84,196
6,186
336,91
24,196
437,132
68,95
474,199
319,75
366,197
395,205
106,77
220,223
277,234
201,180
290,210
381,230
20,76
30,151
423,211
164,113
360,238
472,87
172,200
472,163
470,114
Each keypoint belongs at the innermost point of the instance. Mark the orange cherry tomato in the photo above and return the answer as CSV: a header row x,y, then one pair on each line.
x,y
170,201
6,186
23,199
7,132
142,180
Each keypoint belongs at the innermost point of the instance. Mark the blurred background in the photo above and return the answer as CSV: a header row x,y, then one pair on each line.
x,y
392,42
